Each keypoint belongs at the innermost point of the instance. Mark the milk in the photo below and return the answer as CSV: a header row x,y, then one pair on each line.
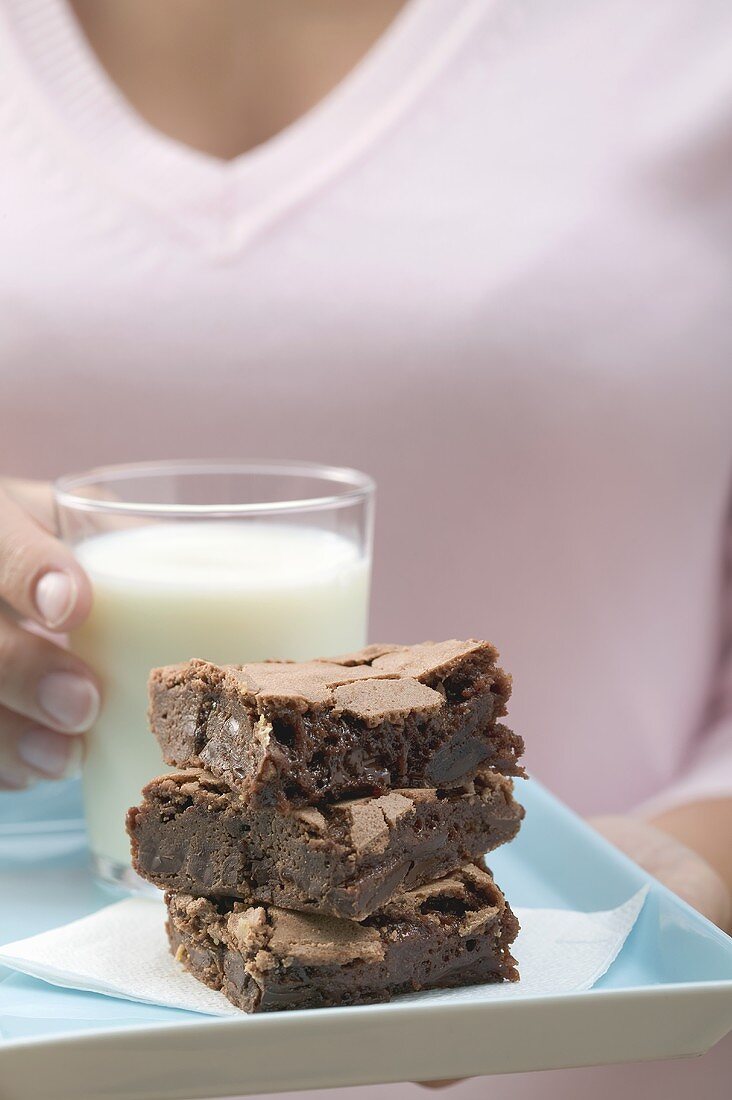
x,y
227,591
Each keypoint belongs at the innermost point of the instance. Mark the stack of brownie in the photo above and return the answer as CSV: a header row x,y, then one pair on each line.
x,y
321,843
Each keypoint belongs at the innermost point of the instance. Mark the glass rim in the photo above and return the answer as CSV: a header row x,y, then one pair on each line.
x,y
358,487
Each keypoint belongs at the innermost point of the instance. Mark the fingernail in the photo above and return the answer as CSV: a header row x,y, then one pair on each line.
x,y
53,754
55,597
71,701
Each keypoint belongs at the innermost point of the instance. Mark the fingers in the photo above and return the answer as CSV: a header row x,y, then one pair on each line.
x,y
34,497
39,576
29,752
671,862
44,683
47,695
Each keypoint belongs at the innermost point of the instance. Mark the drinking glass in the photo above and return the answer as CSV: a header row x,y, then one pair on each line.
x,y
228,561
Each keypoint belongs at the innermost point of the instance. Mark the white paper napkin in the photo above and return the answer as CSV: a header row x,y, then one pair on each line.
x,y
122,951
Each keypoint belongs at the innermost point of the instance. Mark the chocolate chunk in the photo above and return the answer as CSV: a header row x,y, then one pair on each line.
x,y
196,835
294,734
454,932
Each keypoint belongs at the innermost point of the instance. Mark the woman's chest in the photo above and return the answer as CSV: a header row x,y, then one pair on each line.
x,y
520,331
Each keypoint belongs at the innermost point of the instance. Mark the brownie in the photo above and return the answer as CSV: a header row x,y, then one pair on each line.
x,y
294,734
454,932
195,835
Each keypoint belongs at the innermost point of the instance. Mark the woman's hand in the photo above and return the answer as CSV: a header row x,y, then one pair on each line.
x,y
686,872
668,859
47,696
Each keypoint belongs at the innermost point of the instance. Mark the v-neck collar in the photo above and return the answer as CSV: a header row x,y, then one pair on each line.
x,y
222,204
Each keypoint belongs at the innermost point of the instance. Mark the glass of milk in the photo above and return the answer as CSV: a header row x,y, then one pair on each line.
x,y
229,561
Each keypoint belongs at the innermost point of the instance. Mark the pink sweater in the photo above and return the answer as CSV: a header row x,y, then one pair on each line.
x,y
493,269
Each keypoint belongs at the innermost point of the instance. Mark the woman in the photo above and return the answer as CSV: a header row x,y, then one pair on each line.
x,y
480,249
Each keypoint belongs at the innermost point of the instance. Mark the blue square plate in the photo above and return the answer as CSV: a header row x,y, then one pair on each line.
x,y
667,995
